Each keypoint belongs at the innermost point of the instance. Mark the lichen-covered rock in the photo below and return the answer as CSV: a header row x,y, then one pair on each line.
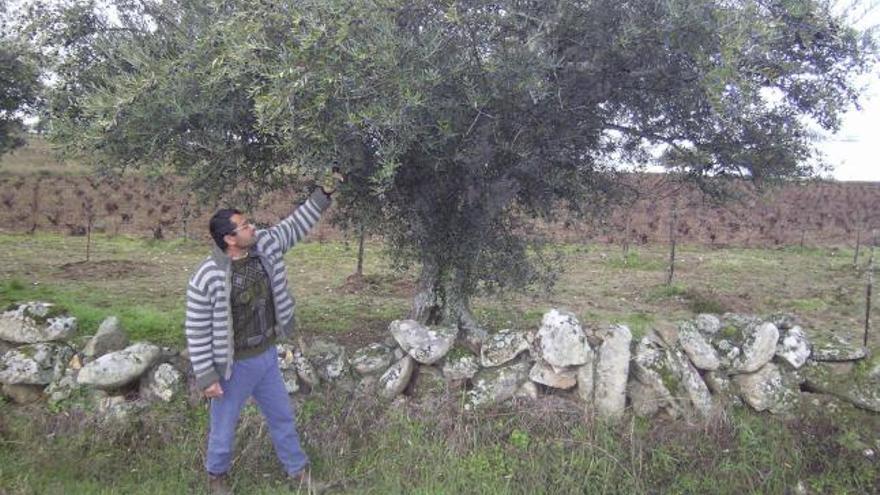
x,y
721,386
494,385
36,322
562,340
460,364
728,352
328,359
834,348
793,347
612,370
857,388
544,374
757,348
707,324
528,390
162,383
396,378
291,380
119,368
669,378
501,347
304,370
109,338
428,381
34,364
427,345
766,390
697,348
739,321
371,359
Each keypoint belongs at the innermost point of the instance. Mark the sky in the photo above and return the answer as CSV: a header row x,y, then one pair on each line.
x,y
854,151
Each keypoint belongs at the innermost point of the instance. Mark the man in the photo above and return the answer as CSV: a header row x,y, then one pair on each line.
x,y
237,305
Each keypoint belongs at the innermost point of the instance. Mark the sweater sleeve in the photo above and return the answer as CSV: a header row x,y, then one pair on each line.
x,y
199,318
295,227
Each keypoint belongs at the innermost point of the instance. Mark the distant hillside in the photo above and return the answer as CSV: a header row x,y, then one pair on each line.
x,y
40,194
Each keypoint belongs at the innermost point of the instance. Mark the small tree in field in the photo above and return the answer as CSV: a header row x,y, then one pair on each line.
x,y
454,120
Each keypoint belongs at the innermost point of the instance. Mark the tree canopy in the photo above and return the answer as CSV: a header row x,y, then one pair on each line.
x,y
19,85
453,119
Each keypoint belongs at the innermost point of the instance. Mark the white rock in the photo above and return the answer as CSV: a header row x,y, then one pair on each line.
x,y
304,370
493,385
562,340
794,347
34,364
426,345
765,390
109,338
29,323
612,370
528,390
502,347
757,349
119,368
328,358
837,349
707,324
544,374
371,359
697,348
395,380
163,383
460,366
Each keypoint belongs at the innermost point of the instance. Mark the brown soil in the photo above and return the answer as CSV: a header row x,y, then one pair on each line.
x,y
820,213
105,269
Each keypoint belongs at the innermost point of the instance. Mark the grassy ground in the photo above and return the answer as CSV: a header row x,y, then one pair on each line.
x,y
432,446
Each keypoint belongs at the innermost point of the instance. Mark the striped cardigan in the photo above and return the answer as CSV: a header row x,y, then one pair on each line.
x,y
209,332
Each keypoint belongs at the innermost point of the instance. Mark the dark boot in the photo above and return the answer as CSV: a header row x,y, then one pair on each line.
x,y
218,484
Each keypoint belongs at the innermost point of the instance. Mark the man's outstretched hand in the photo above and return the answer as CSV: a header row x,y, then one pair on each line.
x,y
332,181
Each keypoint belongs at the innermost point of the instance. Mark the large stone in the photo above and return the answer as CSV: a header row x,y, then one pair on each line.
x,y
371,359
460,364
670,378
396,378
586,378
119,368
612,370
63,387
721,386
328,358
544,374
707,324
757,349
500,348
652,384
304,370
835,348
562,340
766,390
859,389
738,321
35,322
728,352
34,364
427,382
426,345
697,348
793,347
646,400
162,383
109,338
494,385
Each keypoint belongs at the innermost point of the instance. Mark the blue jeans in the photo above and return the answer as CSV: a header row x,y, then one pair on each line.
x,y
258,376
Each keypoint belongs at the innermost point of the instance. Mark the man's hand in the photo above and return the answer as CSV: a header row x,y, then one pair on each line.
x,y
332,181
214,391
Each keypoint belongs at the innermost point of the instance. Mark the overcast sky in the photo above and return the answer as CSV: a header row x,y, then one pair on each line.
x,y
854,152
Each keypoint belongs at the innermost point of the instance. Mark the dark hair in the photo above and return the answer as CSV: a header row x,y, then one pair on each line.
x,y
221,225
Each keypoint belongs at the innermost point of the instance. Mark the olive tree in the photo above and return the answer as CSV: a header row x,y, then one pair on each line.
x,y
457,121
